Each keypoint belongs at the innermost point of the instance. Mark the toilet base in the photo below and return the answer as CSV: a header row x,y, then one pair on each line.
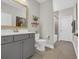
x,y
49,46
40,45
40,48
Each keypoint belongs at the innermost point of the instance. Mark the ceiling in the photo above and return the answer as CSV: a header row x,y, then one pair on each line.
x,y
40,1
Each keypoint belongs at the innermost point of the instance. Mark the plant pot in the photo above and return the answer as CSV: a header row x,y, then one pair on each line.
x,y
35,24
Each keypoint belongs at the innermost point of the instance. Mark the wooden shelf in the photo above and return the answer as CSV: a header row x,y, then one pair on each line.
x,y
36,23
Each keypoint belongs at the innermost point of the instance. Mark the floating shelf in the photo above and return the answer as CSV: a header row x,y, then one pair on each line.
x,y
35,24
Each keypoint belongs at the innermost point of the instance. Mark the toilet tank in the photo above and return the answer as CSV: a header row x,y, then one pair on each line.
x,y
37,36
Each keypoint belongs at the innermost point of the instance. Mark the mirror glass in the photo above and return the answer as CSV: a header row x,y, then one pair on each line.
x,y
21,22
13,12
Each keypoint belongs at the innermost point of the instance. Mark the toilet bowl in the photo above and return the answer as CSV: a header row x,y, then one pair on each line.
x,y
40,43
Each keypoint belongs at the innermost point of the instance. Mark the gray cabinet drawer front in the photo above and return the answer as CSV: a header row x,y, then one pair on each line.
x,y
6,39
27,36
32,35
19,37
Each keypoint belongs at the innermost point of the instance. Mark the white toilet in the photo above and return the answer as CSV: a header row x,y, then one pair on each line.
x,y
40,43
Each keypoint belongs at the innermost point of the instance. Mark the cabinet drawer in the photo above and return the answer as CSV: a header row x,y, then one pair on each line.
x,y
27,36
19,37
6,39
32,35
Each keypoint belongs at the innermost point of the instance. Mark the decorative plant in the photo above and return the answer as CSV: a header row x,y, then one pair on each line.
x,y
35,23
35,18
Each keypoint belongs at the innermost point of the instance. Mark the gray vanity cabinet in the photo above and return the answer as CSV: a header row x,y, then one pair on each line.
x,y
17,46
11,50
28,48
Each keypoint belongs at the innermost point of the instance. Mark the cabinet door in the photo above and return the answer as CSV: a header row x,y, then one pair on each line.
x,y
11,51
28,48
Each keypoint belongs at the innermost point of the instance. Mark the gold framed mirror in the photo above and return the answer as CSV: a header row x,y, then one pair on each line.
x,y
13,8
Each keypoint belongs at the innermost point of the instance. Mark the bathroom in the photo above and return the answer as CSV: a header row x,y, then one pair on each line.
x,y
18,22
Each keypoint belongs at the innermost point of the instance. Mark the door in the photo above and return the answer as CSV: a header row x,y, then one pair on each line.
x,y
28,48
65,28
11,51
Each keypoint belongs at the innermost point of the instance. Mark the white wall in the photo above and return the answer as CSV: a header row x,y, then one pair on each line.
x,y
34,9
65,12
62,4
46,20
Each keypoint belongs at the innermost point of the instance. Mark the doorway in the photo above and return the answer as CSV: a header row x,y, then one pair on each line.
x,y
65,28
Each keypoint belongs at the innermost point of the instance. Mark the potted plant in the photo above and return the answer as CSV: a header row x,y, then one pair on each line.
x,y
35,18
35,23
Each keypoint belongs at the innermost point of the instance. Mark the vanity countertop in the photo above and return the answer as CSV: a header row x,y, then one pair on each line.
x,y
6,33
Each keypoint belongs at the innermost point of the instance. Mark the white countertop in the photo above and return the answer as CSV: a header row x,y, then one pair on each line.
x,y
6,33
